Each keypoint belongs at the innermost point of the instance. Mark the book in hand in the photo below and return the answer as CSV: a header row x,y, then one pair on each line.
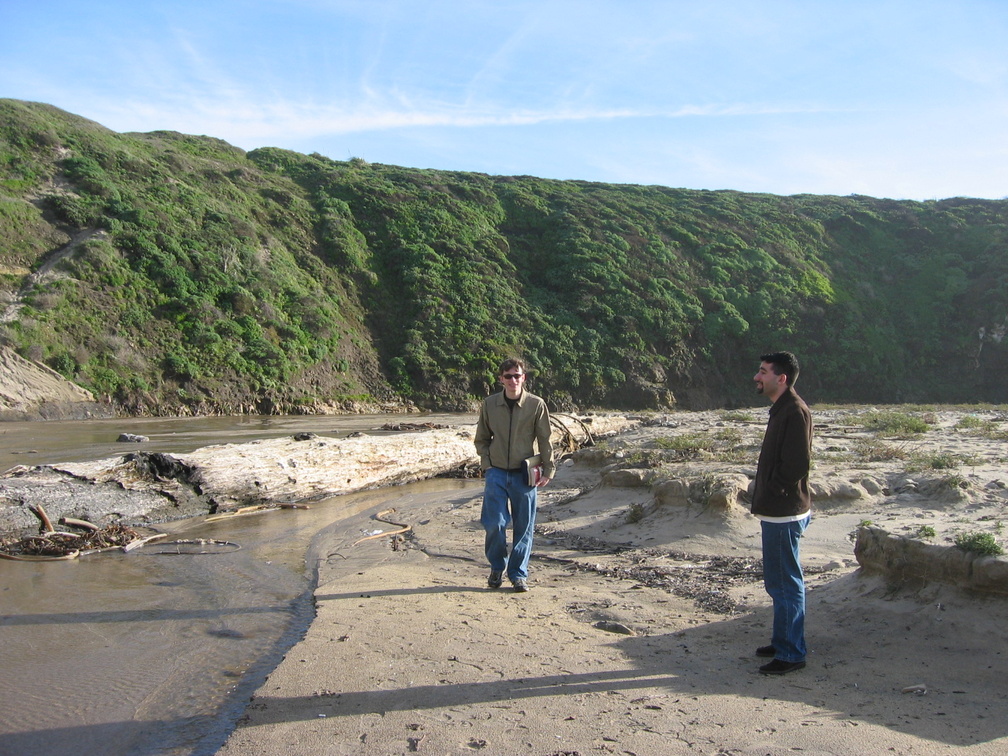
x,y
532,467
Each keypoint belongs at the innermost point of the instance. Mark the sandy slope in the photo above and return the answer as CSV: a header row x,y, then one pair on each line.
x,y
638,634
27,386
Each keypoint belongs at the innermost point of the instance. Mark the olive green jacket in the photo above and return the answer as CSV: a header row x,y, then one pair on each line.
x,y
505,437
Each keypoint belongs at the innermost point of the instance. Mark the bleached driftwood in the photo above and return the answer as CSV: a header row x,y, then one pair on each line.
x,y
279,471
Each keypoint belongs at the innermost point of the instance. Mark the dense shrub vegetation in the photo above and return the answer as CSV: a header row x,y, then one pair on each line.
x,y
178,273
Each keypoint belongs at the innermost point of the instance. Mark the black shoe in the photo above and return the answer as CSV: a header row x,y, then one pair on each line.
x,y
520,585
495,579
768,651
780,667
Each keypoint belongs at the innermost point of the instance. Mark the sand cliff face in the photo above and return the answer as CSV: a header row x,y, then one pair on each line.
x,y
31,390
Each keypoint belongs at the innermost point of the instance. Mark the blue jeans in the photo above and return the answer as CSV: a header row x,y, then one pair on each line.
x,y
501,488
784,581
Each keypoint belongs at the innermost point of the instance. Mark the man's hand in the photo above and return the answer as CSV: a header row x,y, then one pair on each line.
x,y
542,482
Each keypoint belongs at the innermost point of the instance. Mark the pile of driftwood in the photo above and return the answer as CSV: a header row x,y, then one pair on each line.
x,y
86,538
412,426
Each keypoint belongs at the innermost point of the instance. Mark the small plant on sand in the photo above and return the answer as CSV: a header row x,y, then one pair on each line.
x,y
890,423
701,489
936,461
874,450
852,536
971,423
736,416
635,513
943,461
954,481
977,426
734,446
981,544
925,531
730,436
688,444
638,458
723,445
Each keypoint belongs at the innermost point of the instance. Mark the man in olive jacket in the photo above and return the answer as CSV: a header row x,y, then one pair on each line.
x,y
513,425
782,502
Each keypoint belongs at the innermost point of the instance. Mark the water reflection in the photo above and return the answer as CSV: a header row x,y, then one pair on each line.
x,y
149,652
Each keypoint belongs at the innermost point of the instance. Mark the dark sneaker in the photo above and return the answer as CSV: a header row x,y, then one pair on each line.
x,y
766,651
520,585
495,579
779,667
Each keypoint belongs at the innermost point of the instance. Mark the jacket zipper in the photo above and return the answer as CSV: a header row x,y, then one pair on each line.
x,y
510,431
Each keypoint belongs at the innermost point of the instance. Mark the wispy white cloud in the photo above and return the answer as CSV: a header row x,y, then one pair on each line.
x,y
251,121
775,95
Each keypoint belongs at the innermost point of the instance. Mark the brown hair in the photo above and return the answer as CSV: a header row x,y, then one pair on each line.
x,y
511,363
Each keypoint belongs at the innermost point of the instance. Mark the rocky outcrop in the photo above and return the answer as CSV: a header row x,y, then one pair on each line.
x,y
902,559
713,493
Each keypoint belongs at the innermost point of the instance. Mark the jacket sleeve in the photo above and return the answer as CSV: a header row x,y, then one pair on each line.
x,y
543,433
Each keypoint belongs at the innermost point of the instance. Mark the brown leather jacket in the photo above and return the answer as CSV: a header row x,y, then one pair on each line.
x,y
782,485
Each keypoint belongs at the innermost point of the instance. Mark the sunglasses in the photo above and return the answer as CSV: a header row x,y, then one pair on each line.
x,y
513,376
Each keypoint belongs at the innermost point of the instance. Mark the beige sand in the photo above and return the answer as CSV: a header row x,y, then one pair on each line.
x,y
25,384
638,636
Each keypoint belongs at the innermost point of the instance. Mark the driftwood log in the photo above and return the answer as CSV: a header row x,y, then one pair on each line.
x,y
271,472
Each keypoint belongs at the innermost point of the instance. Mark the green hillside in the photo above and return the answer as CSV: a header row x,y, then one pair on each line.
x,y
175,274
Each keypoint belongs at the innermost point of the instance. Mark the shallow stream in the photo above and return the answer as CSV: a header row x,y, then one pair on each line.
x,y
157,651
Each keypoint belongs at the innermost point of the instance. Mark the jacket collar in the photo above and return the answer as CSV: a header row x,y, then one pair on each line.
x,y
788,397
502,398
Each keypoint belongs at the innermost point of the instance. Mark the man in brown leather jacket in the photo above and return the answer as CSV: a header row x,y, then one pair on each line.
x,y
782,502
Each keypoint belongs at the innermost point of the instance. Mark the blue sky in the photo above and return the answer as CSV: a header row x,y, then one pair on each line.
x,y
902,99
